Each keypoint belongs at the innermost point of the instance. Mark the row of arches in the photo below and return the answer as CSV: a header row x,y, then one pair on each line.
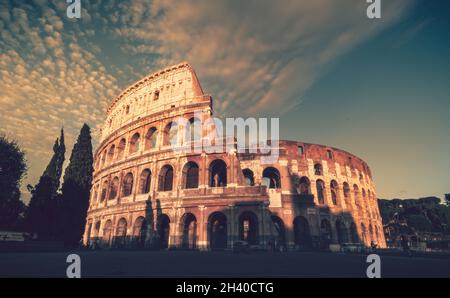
x,y
304,188
189,179
190,131
218,231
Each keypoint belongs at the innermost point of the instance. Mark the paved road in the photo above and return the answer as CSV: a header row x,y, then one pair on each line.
x,y
216,264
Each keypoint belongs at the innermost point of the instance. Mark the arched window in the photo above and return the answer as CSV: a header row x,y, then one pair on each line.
x,y
280,231
190,175
134,143
127,185
217,230
104,190
121,233
151,138
248,228
156,95
342,233
248,177
114,187
104,158
111,154
356,194
305,186
145,180
163,230
329,154
170,134
300,150
165,182
318,169
346,188
195,129
334,189
320,185
107,233
188,225
218,173
302,235
326,232
94,194
271,178
354,233
121,149
139,232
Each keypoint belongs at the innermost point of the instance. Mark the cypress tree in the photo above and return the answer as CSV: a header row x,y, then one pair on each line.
x,y
41,212
75,189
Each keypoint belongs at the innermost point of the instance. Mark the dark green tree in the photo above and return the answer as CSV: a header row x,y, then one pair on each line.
x,y
55,166
75,189
41,214
447,199
12,170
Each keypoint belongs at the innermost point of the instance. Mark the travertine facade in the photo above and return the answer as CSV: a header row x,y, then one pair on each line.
x,y
145,194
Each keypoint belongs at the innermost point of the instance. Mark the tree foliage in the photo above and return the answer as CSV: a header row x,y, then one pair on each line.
x,y
13,168
424,214
41,216
75,189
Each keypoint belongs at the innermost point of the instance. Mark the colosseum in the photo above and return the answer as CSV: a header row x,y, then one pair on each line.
x,y
148,195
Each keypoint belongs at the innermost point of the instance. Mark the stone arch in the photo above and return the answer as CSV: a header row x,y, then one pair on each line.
x,y
354,233
163,230
111,154
356,194
346,190
248,227
121,149
104,190
271,177
127,185
139,232
320,186
318,169
326,233
170,134
107,233
334,190
249,177
280,232
302,235
151,138
190,177
195,130
217,230
134,143
217,173
363,233
121,233
165,179
188,229
304,186
341,232
145,181
114,188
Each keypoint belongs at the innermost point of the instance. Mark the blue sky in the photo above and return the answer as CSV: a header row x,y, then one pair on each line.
x,y
377,88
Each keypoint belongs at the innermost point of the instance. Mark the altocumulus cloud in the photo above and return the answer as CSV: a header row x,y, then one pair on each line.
x,y
251,55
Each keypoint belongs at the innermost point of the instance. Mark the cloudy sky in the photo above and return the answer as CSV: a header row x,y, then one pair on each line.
x,y
377,88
